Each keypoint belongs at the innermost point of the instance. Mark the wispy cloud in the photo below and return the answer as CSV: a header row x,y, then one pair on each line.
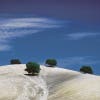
x,y
18,27
77,36
4,47
71,62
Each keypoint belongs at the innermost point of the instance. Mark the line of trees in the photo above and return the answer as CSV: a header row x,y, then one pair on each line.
x,y
33,68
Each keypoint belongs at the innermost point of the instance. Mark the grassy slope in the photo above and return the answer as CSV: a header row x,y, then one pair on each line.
x,y
62,84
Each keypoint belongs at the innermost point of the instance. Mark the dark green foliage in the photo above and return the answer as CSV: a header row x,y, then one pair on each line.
x,y
32,68
15,61
51,62
86,69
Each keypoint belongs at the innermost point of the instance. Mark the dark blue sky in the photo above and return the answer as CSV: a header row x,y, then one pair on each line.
x,y
67,30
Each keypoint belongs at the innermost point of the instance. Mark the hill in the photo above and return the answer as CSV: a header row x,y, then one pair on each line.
x,y
51,84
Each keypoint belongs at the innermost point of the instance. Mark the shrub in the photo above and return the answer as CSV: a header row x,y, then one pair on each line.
x,y
86,69
15,61
51,62
32,68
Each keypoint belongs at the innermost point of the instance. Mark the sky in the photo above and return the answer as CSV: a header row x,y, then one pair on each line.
x,y
66,30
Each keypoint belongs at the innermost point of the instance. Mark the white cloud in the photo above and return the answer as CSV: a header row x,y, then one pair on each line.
x,y
28,23
4,47
18,27
77,36
77,61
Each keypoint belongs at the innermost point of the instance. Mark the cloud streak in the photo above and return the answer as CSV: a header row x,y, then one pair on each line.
x,y
78,36
77,61
18,27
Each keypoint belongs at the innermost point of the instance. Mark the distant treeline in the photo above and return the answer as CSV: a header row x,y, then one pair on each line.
x,y
34,68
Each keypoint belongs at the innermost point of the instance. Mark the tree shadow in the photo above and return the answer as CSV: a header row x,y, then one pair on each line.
x,y
35,74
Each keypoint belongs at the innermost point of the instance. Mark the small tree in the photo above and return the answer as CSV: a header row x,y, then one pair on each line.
x,y
15,61
32,68
51,62
86,69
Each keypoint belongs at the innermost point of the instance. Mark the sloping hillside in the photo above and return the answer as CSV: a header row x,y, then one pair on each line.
x,y
14,85
51,84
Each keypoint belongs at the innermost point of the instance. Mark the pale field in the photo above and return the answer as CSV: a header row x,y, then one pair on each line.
x,y
51,84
